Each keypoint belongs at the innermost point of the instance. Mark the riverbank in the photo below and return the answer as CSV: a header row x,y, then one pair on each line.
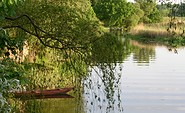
x,y
160,33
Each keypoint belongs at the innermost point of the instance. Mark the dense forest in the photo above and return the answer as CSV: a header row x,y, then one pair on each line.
x,y
57,40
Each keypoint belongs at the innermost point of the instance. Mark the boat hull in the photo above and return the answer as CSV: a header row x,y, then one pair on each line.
x,y
53,93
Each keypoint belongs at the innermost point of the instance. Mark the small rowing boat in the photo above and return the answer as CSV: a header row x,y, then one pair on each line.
x,y
52,93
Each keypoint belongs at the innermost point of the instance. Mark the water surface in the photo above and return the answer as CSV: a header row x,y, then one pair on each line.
x,y
152,80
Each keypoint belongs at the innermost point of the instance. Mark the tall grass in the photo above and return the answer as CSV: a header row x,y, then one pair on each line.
x,y
150,31
162,29
170,32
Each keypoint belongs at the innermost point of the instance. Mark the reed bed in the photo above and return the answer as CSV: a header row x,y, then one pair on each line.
x,y
166,28
168,32
149,31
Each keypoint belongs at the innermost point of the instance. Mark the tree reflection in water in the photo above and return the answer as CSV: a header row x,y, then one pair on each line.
x,y
142,53
100,91
101,87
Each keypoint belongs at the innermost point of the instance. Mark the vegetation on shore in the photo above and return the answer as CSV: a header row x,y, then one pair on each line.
x,y
160,33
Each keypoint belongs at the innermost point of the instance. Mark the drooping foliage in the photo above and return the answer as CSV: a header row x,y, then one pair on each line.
x,y
68,27
59,23
58,35
175,9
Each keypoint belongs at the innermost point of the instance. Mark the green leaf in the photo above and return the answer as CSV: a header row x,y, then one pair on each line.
x,y
1,4
16,1
10,2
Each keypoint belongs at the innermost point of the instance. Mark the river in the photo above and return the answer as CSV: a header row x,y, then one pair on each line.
x,y
153,84
150,79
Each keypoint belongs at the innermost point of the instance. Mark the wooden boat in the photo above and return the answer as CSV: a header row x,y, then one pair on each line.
x,y
52,93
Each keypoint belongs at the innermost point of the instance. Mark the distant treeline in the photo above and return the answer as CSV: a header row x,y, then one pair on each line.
x,y
120,13
172,9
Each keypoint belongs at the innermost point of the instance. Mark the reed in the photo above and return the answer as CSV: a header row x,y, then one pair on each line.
x,y
161,33
150,31
166,29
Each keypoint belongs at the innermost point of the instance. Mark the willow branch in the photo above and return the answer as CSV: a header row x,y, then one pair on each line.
x,y
37,29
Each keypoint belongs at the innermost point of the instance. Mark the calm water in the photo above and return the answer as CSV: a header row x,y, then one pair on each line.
x,y
153,84
151,79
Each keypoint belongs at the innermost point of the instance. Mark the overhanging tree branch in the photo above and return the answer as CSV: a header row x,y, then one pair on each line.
x,y
42,38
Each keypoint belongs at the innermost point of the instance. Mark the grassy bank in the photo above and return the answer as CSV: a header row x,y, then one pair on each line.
x,y
160,33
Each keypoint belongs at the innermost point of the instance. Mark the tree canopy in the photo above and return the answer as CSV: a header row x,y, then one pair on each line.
x,y
113,13
151,13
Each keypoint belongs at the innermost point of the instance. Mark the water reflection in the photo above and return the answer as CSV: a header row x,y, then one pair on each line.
x,y
158,87
52,106
173,50
102,91
133,78
142,54
101,87
150,79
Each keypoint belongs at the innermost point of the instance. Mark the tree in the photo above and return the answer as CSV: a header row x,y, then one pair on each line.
x,y
113,13
151,13
134,19
7,8
179,10
163,9
93,2
61,27
155,16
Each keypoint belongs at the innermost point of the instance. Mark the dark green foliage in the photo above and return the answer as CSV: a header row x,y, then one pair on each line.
x,y
9,45
10,70
177,10
94,2
7,8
